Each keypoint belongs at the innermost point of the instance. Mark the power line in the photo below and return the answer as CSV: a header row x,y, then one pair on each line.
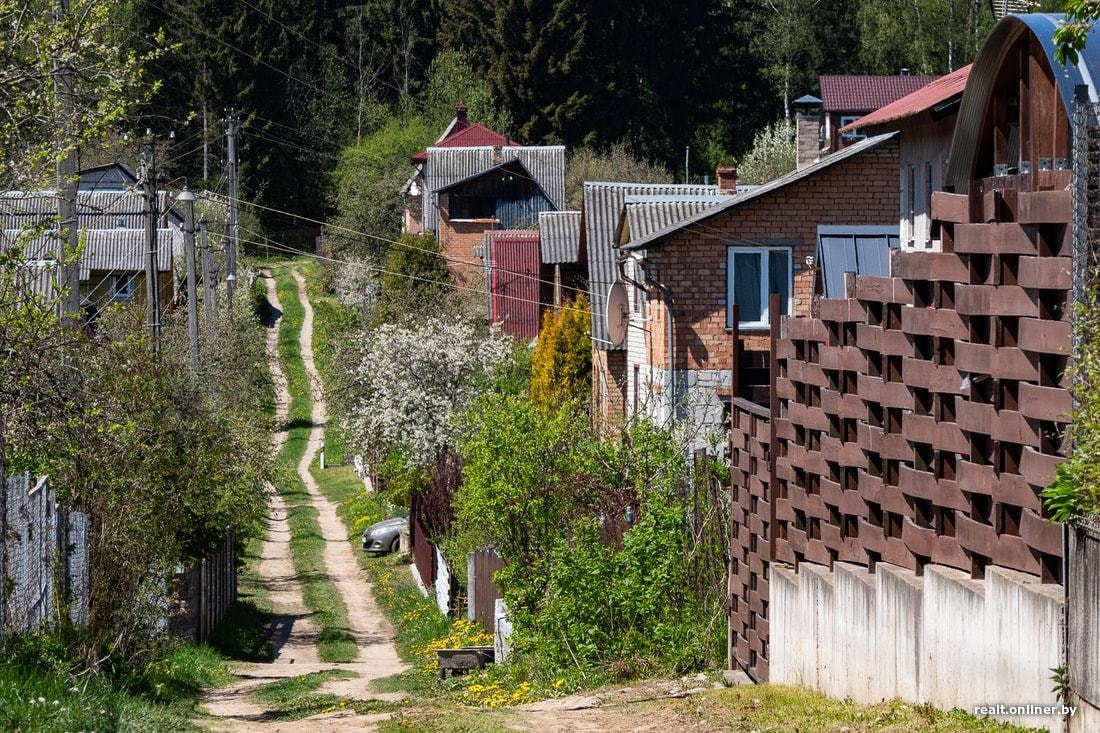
x,y
362,265
358,70
197,26
254,116
268,137
405,245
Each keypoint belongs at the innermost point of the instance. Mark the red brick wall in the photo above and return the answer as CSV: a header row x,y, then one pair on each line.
x,y
609,386
457,242
862,190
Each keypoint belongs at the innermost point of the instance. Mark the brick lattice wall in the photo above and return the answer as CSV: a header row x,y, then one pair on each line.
x,y
920,417
750,499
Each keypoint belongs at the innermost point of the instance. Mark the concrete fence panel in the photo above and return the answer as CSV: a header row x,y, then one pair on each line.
x,y
941,638
1083,633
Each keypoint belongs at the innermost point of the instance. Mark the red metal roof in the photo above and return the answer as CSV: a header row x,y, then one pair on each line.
x,y
851,93
471,136
923,99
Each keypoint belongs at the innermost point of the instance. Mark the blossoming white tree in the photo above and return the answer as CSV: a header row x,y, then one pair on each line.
x,y
413,380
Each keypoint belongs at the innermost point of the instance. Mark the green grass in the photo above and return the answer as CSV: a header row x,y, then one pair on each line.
x,y
306,544
240,634
447,719
296,697
38,692
332,322
778,708
416,619
292,689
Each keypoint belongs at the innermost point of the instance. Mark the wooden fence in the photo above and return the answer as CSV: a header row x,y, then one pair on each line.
x,y
205,590
481,590
43,558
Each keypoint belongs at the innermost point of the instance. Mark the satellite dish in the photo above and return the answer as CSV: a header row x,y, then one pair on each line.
x,y
616,315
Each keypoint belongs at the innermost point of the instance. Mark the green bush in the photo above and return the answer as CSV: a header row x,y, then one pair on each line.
x,y
1075,491
593,533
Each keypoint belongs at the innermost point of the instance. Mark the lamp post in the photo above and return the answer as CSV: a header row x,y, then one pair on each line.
x,y
188,198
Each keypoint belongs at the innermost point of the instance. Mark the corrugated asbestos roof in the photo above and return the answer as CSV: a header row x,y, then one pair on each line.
x,y
104,249
643,215
863,93
39,278
447,166
936,93
96,209
560,237
782,182
603,206
979,86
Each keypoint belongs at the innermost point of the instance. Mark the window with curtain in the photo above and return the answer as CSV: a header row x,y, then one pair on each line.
x,y
753,274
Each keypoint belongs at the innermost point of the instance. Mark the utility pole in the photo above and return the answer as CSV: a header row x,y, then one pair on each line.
x,y
205,147
67,183
234,223
188,198
209,298
152,289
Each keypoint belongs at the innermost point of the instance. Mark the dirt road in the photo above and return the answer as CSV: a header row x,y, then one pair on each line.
x,y
293,634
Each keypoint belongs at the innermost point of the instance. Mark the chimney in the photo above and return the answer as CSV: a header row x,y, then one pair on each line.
x,y
727,179
807,140
460,116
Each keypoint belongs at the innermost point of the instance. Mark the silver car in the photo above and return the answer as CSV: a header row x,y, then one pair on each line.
x,y
384,536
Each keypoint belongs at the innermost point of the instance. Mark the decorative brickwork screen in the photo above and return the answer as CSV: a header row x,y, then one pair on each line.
x,y
923,414
751,508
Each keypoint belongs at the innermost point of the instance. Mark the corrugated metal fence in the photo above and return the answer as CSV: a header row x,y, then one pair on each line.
x,y
38,539
1083,637
483,592
423,553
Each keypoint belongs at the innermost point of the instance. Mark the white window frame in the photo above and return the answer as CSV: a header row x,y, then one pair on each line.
x,y
851,134
126,292
763,252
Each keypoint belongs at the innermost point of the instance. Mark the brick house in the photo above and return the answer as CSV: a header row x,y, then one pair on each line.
x,y
507,194
459,133
924,122
847,97
889,536
475,180
740,251
600,222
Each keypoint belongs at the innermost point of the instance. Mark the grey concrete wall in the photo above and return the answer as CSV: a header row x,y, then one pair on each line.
x,y
942,638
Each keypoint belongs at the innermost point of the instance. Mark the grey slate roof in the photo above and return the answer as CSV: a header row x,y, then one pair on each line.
x,y
560,237
121,250
447,166
603,206
643,215
39,278
96,209
782,182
